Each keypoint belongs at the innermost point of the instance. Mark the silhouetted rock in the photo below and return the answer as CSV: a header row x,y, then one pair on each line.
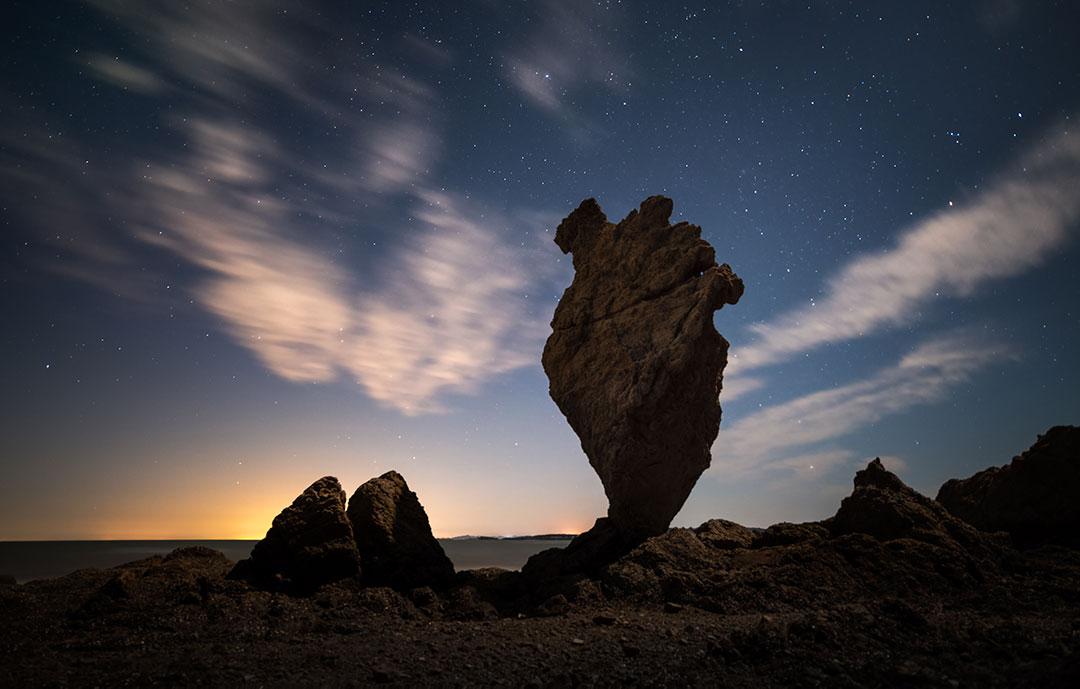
x,y
394,536
884,507
634,360
587,553
1035,498
309,544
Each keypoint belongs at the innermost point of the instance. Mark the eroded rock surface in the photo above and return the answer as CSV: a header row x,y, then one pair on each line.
x,y
309,544
394,536
634,360
1036,497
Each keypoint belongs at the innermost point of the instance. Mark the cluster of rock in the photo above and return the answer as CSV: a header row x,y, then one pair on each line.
x,y
383,538
634,361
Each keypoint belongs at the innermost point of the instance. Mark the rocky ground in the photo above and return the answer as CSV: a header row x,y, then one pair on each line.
x,y
892,591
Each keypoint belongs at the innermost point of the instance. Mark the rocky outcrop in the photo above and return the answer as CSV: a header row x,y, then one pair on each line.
x,y
1036,497
882,506
309,544
394,537
634,360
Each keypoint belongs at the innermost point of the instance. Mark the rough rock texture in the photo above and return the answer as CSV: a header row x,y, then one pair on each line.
x,y
309,544
634,360
394,537
1036,497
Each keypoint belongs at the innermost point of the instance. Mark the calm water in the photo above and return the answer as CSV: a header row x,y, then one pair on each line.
x,y
26,560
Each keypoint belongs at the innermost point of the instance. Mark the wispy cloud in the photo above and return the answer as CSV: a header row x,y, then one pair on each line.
x,y
569,51
124,74
1013,226
455,294
451,312
800,435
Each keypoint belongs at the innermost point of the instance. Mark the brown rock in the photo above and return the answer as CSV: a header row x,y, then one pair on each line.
x,y
309,544
634,361
1035,498
394,536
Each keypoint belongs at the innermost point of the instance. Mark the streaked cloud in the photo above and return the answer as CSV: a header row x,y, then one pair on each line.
x,y
1013,226
124,74
451,312
805,434
564,55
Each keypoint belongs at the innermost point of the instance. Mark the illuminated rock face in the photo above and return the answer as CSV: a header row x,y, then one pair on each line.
x,y
634,360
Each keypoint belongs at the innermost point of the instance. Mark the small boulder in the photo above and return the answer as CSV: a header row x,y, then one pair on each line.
x,y
309,544
394,537
1036,497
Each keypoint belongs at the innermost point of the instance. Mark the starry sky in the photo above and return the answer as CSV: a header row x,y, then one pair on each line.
x,y
246,245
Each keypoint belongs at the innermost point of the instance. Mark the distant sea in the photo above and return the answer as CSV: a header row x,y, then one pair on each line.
x,y
28,560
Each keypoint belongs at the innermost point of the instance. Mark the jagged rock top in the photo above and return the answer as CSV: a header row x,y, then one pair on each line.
x,y
640,259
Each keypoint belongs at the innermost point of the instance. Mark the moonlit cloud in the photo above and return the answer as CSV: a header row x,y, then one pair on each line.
x,y
563,55
124,74
797,435
451,312
1015,225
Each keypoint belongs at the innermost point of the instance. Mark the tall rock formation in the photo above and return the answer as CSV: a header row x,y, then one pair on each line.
x,y
394,536
309,544
634,360
1036,497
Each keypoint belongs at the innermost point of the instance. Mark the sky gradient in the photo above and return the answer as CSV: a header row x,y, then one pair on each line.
x,y
246,245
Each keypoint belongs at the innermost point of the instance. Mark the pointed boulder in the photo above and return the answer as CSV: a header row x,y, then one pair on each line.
x,y
394,537
309,544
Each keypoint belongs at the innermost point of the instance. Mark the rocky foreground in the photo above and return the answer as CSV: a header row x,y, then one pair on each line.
x,y
894,590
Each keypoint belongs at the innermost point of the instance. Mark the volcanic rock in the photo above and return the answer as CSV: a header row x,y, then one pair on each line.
x,y
394,536
634,360
1035,498
309,544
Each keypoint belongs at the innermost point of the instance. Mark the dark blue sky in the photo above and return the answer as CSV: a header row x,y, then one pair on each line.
x,y
249,244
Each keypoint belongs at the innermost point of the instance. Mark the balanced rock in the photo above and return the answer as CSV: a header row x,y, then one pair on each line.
x,y
309,544
394,537
634,360
1036,497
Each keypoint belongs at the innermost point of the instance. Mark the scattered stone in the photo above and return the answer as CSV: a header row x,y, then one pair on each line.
x,y
394,537
672,608
309,544
634,360
605,620
1036,497
631,651
577,642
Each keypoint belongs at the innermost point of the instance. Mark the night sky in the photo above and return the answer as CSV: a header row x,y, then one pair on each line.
x,y
246,245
